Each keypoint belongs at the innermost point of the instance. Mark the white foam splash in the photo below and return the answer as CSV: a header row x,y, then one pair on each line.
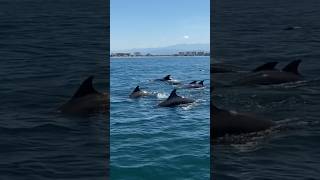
x,y
188,107
162,95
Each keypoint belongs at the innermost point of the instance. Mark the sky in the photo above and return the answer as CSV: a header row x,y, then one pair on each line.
x,y
158,23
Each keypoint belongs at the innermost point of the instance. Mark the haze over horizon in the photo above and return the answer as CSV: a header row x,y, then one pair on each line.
x,y
155,24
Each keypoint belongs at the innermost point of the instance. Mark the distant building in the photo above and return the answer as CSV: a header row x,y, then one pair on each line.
x,y
120,54
137,54
200,53
192,53
181,53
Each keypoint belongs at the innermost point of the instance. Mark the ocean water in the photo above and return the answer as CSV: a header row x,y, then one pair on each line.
x,y
47,49
247,34
151,142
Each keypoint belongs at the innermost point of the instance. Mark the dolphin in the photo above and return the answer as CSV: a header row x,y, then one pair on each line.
x,y
197,85
168,80
174,100
137,92
193,82
289,73
194,85
86,100
226,122
200,84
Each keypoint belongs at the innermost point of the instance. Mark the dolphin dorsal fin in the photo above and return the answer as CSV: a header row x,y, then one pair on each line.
x,y
201,82
193,82
85,88
137,89
266,66
167,77
173,94
292,67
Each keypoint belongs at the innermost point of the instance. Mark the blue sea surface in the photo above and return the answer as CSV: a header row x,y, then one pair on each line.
x,y
47,48
247,34
151,142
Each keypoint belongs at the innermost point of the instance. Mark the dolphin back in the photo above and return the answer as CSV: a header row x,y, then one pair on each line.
x,y
174,100
225,122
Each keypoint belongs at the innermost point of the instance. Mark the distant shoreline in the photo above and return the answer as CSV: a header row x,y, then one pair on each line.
x,y
166,54
152,56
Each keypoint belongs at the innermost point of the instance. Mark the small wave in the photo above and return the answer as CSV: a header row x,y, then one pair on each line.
x,y
292,84
296,84
189,106
251,141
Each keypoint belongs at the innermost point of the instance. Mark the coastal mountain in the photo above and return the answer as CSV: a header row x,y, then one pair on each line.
x,y
168,49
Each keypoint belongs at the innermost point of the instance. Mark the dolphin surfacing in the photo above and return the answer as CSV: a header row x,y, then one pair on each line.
x,y
169,80
86,100
193,82
137,92
271,76
226,122
175,100
194,85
